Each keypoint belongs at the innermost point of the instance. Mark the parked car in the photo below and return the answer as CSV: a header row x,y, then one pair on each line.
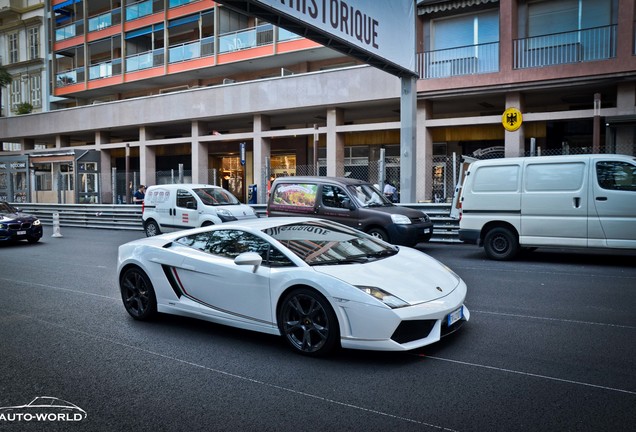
x,y
175,207
317,283
581,201
351,202
15,225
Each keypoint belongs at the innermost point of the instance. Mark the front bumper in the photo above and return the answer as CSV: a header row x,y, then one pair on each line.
x,y
410,234
20,233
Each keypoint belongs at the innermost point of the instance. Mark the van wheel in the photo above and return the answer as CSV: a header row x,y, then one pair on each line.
x,y
378,233
501,244
152,229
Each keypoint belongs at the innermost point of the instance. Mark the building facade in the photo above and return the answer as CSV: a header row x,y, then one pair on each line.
x,y
165,89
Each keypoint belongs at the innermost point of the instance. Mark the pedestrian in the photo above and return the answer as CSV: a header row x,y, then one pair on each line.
x,y
139,195
390,192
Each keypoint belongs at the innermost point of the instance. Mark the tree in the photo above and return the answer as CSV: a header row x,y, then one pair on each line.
x,y
5,80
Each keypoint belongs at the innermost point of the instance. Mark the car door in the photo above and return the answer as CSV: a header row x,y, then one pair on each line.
x,y
186,212
614,198
335,205
209,276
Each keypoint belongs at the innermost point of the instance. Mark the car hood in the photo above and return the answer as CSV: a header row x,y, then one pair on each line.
x,y
239,211
410,275
393,209
5,217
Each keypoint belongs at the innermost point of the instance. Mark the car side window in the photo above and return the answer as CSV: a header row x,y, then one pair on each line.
x,y
335,197
615,175
186,200
232,243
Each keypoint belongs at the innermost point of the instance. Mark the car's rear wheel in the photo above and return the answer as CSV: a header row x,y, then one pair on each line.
x,y
501,244
138,294
152,228
308,323
379,233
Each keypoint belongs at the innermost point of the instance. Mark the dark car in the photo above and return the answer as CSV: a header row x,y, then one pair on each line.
x,y
15,225
351,202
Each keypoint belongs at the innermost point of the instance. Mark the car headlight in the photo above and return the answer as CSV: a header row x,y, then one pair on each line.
x,y
388,299
36,222
400,219
225,215
3,226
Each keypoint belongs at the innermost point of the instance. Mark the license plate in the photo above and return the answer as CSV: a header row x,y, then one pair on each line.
x,y
21,233
454,316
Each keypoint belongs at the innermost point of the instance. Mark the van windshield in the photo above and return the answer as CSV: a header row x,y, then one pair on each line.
x,y
216,196
368,196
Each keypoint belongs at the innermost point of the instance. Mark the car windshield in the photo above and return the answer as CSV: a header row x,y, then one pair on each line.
x,y
6,208
216,196
323,243
368,196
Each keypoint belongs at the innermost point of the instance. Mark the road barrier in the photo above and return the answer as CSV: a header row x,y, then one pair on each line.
x,y
128,216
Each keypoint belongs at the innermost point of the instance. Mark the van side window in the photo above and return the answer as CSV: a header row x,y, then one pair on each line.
x,y
186,200
503,178
615,175
555,176
335,197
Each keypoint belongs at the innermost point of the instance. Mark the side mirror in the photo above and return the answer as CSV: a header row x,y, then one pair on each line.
x,y
249,258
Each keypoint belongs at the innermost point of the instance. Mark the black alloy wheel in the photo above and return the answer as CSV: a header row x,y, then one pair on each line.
x,y
138,294
308,323
501,244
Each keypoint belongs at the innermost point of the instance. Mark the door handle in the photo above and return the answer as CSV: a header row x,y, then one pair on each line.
x,y
577,202
601,198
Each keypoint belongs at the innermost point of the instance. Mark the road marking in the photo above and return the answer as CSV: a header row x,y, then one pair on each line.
x,y
528,374
554,319
483,270
237,376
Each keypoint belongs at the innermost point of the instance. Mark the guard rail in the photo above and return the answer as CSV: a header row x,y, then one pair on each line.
x,y
128,217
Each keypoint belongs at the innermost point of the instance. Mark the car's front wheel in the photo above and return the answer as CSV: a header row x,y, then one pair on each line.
x,y
308,323
379,233
138,294
152,228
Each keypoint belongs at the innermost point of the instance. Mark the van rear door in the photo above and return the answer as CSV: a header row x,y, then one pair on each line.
x,y
614,186
554,205
335,204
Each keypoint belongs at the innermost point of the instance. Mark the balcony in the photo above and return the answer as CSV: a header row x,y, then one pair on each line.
x,y
69,31
144,60
70,77
598,43
104,69
191,50
466,60
103,21
247,38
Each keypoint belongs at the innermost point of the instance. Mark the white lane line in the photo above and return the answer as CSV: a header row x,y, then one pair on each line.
x,y
38,285
545,377
554,319
236,376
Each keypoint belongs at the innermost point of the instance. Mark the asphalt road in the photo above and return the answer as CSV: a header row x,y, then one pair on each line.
x,y
551,346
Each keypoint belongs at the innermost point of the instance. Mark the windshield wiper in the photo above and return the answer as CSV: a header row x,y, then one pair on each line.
x,y
383,253
351,260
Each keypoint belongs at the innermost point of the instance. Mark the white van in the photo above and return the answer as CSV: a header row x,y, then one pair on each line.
x,y
181,206
584,201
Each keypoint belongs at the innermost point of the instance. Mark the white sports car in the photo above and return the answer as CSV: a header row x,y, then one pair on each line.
x,y
319,284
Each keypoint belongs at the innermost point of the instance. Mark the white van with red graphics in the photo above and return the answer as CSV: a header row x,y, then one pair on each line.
x,y
181,206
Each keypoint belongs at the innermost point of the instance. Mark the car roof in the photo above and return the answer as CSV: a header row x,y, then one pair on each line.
x,y
321,179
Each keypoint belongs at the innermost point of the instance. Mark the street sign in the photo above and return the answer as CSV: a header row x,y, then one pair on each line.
x,y
242,153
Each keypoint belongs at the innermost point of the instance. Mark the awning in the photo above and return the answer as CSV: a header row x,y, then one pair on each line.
x,y
143,31
67,3
184,20
424,7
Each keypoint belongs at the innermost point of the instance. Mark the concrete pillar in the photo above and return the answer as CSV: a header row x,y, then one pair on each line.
x,y
335,143
625,134
101,137
105,177
424,152
514,141
27,144
147,158
262,152
62,141
199,156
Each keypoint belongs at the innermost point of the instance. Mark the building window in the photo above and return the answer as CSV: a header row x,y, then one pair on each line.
x,y
33,35
35,84
16,92
13,48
